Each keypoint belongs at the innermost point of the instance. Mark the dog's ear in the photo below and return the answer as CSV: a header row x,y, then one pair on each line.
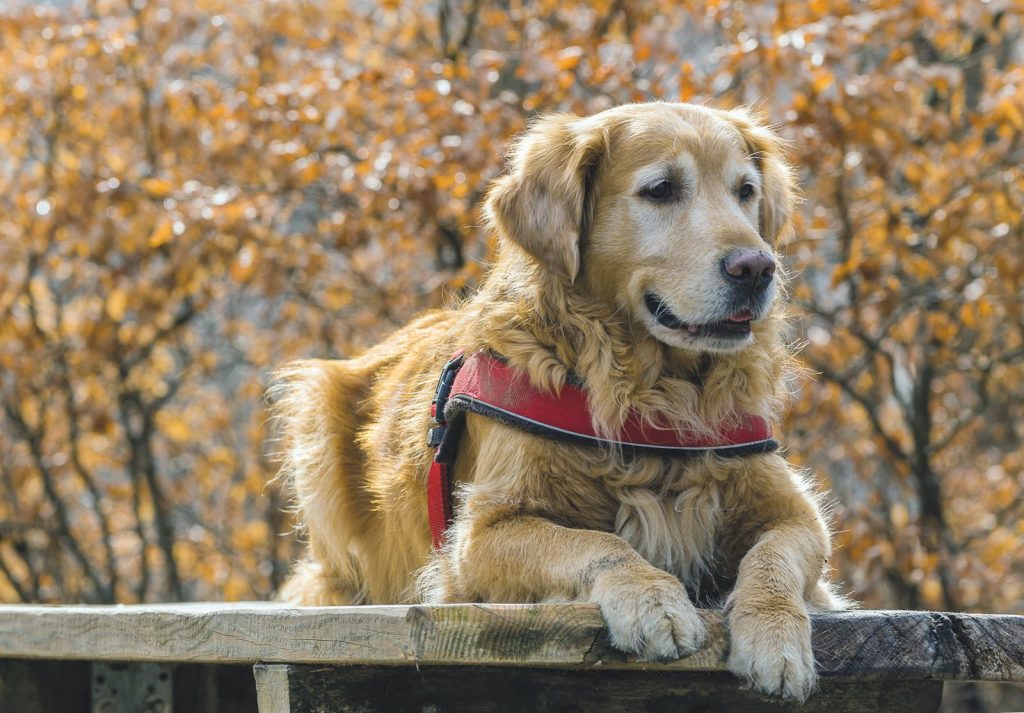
x,y
778,184
545,203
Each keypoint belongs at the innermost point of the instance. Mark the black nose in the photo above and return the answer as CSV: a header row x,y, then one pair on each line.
x,y
750,268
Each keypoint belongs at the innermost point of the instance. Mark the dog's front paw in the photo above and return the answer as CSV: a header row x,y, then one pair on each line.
x,y
771,649
649,615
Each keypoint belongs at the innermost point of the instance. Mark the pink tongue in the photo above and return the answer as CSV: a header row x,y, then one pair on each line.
x,y
743,316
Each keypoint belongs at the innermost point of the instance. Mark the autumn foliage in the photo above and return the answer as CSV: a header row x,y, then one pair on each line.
x,y
195,192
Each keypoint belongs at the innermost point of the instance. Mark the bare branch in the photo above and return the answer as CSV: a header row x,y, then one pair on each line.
x,y
23,594
34,439
74,434
870,408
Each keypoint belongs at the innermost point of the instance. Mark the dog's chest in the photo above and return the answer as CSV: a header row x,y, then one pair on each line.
x,y
670,513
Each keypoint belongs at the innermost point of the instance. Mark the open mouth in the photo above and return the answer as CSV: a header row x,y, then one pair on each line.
x,y
734,326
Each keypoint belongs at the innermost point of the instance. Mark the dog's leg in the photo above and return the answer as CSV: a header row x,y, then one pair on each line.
x,y
502,555
769,625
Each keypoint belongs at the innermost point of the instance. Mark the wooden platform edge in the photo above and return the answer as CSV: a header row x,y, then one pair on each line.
x,y
302,688
857,645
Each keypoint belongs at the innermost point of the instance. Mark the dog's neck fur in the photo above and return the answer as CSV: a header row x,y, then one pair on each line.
x,y
550,329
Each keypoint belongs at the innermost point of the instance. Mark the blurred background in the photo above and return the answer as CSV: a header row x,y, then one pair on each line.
x,y
194,191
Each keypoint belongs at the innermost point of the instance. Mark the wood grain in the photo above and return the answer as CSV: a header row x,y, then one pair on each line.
x,y
866,645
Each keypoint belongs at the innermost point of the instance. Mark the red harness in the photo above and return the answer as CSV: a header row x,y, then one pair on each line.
x,y
483,384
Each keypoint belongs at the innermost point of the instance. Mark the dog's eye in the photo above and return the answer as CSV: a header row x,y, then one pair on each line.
x,y
747,191
661,191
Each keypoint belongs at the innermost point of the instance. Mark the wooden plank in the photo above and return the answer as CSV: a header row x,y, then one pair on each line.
x,y
853,645
914,645
272,693
380,689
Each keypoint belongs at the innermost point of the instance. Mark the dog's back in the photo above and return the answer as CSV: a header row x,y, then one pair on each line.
x,y
347,429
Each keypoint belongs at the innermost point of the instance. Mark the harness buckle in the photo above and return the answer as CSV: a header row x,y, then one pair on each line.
x,y
444,387
435,436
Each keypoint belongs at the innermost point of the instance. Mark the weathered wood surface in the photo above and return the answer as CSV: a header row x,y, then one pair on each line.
x,y
861,645
362,689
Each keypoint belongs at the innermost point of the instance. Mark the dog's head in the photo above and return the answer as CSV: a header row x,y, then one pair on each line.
x,y
670,213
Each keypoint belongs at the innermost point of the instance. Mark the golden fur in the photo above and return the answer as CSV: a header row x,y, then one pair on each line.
x,y
540,520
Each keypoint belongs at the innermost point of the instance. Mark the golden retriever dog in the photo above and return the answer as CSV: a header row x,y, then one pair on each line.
x,y
636,256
